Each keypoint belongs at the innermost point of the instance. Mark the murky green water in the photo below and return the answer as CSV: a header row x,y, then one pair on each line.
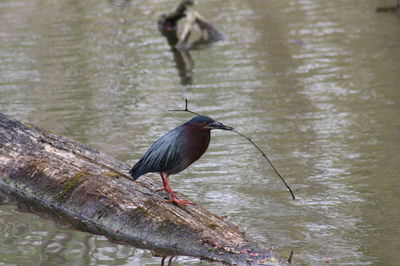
x,y
315,83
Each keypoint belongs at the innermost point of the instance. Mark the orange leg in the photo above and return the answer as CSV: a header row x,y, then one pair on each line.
x,y
167,187
163,182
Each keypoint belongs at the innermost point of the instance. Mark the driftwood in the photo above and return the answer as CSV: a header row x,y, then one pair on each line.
x,y
91,191
180,46
168,22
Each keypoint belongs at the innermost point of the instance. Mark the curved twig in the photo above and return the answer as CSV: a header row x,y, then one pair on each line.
x,y
251,141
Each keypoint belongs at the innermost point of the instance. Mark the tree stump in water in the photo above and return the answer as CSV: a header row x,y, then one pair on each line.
x,y
91,191
169,22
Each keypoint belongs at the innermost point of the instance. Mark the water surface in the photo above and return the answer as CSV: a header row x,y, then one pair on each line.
x,y
314,83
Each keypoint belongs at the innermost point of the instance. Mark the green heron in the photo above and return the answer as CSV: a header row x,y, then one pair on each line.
x,y
176,150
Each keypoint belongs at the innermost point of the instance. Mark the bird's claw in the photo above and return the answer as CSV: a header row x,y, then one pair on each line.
x,y
180,202
163,189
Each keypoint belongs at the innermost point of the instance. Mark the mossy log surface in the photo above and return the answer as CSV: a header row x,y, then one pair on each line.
x,y
91,191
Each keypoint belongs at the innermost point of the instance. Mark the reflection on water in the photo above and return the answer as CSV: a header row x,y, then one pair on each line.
x,y
314,83
182,57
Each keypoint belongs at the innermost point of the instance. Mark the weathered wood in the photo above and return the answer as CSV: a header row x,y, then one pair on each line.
x,y
208,31
89,190
168,22
187,29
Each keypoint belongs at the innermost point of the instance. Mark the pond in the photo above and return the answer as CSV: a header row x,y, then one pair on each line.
x,y
314,83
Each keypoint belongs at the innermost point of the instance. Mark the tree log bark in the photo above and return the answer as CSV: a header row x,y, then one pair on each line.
x,y
91,191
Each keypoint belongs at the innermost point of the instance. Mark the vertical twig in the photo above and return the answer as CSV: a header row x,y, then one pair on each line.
x,y
290,257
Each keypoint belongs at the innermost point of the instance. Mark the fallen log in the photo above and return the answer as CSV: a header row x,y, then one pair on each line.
x,y
92,192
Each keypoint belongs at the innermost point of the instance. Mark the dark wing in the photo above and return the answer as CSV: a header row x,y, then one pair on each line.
x,y
163,156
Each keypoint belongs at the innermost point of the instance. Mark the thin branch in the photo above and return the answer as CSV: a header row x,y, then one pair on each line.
x,y
290,257
251,141
270,163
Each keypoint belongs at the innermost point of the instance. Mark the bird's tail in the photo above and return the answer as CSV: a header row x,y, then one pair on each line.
x,y
136,172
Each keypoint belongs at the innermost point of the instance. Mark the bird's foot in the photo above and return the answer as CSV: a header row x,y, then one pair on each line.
x,y
163,189
180,202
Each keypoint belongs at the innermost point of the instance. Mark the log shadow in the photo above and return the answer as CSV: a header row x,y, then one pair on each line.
x,y
393,8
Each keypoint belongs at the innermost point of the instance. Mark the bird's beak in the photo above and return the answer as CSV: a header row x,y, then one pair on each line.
x,y
218,125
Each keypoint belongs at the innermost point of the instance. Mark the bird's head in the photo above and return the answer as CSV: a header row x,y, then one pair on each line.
x,y
206,123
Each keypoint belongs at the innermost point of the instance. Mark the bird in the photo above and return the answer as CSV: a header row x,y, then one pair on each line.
x,y
175,151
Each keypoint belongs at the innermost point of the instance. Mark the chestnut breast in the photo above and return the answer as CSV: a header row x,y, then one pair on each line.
x,y
195,143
